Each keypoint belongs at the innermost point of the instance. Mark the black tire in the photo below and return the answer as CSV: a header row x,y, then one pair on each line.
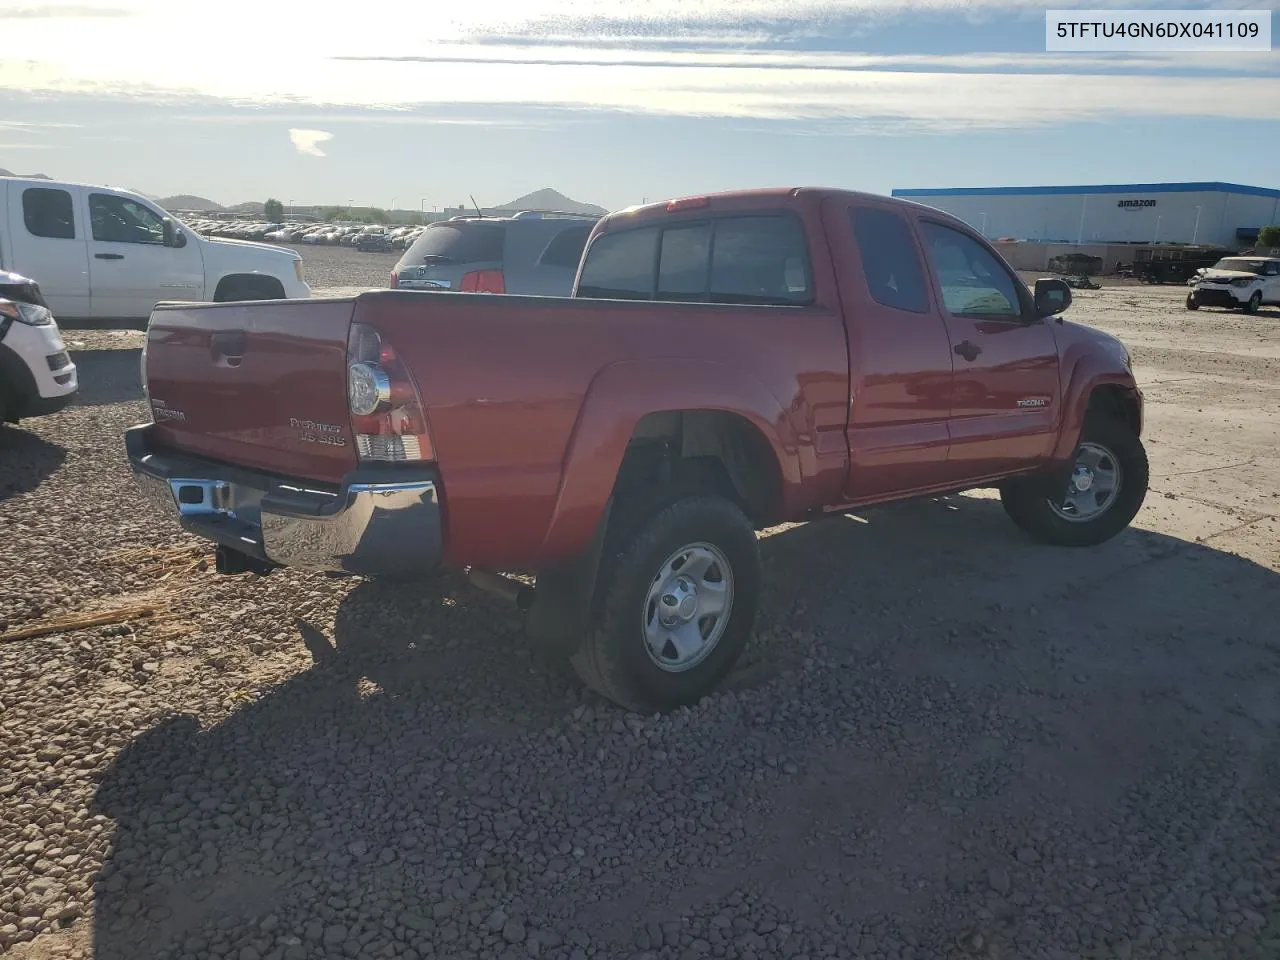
x,y
1029,508
1254,302
614,660
1192,303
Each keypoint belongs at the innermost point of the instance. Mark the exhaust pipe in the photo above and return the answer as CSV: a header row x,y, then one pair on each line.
x,y
231,562
513,591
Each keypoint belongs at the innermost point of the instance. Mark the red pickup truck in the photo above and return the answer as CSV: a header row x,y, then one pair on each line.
x,y
726,363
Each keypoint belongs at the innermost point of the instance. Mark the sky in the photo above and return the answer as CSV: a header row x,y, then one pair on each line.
x,y
610,101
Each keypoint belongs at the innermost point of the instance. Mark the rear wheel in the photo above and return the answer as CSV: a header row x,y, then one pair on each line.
x,y
1192,303
677,603
1102,494
1254,302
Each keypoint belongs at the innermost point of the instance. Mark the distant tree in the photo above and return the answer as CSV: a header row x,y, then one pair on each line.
x,y
377,215
273,209
1269,236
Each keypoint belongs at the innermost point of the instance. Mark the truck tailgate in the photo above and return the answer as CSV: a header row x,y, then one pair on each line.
x,y
261,385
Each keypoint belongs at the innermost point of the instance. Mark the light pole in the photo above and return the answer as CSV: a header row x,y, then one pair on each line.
x,y
984,225
291,209
1195,231
1080,234
391,214
1156,238
422,208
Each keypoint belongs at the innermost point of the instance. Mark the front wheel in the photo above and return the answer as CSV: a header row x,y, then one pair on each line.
x,y
1192,303
1254,302
677,604
1103,493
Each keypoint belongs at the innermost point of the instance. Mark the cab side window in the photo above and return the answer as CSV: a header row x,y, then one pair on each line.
x,y
47,213
973,283
121,220
890,261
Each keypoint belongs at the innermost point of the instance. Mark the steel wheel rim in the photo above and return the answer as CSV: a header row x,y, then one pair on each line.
x,y
1093,486
687,607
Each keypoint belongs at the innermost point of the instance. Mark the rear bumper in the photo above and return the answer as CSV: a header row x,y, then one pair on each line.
x,y
378,521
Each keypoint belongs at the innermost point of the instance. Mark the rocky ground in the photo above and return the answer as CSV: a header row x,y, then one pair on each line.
x,y
944,741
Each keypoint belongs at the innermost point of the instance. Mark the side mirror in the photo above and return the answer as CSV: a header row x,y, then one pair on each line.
x,y
1052,296
173,237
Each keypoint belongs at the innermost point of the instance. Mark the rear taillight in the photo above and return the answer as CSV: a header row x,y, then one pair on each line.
x,y
395,279
387,416
483,281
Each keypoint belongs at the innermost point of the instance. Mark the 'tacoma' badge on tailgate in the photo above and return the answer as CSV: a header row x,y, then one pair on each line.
x,y
313,432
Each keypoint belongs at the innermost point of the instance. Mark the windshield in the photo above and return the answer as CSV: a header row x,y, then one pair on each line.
x,y
1241,265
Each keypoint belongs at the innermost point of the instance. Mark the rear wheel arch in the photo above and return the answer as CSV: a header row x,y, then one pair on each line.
x,y
711,451
248,286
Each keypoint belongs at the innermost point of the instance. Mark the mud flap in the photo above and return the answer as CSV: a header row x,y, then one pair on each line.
x,y
565,596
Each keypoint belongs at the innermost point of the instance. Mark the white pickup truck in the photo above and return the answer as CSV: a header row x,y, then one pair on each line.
x,y
100,253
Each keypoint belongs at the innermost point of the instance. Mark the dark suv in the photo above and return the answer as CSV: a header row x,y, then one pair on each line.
x,y
529,253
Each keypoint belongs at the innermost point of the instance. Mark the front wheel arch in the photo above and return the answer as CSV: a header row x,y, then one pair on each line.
x,y
248,286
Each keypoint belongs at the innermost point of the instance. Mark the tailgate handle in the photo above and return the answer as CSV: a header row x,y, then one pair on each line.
x,y
227,347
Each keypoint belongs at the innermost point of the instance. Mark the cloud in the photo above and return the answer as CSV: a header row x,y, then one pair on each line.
x,y
56,11
308,141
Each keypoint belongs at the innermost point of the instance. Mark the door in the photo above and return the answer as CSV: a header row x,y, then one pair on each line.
x,y
1005,395
1271,285
130,268
900,361
48,243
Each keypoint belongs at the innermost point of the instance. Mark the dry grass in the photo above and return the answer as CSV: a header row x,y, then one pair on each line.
x,y
160,612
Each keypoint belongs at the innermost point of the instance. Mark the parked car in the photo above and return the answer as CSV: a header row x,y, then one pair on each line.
x,y
1243,283
99,253
37,376
373,241
527,253
725,364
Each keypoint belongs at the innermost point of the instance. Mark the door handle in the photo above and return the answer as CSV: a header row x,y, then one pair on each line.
x,y
108,256
968,350
227,347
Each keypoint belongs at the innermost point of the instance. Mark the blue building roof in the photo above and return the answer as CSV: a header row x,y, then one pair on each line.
x,y
1208,186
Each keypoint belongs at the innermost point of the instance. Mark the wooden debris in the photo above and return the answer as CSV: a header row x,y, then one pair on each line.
x,y
79,621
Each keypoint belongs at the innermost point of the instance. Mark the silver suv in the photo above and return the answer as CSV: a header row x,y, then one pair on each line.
x,y
529,253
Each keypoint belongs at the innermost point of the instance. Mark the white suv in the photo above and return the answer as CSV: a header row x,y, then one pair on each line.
x,y
36,375
1245,283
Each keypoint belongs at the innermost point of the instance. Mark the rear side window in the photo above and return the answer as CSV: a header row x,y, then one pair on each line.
x,y
890,261
749,259
620,266
472,241
47,213
565,248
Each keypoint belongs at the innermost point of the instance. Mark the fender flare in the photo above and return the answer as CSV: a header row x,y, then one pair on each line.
x,y
1086,376
623,393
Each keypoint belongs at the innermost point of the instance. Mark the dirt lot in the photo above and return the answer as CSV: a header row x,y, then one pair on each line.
x,y
944,742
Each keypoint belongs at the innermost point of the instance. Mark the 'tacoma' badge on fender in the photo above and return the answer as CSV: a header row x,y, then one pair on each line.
x,y
313,432
1033,402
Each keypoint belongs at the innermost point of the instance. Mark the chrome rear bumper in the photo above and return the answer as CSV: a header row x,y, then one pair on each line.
x,y
377,522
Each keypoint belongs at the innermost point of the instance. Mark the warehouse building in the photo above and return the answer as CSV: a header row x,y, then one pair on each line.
x,y
1222,214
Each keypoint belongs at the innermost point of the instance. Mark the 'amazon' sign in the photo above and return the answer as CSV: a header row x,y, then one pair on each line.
x,y
1135,204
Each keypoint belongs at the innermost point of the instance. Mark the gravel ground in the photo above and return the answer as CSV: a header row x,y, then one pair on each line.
x,y
338,271
944,741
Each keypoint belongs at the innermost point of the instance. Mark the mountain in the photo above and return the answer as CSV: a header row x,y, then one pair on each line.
x,y
187,201
25,176
548,199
